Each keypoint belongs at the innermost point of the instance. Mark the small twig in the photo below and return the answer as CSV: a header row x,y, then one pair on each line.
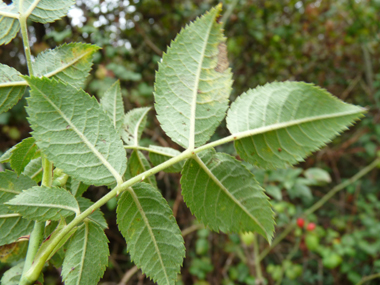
x,y
228,12
368,278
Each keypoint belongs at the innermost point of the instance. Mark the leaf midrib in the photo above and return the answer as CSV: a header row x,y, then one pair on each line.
x,y
195,90
223,188
84,139
142,213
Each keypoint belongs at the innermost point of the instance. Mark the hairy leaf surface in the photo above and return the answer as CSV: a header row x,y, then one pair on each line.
x,y
288,121
134,124
113,105
225,196
10,186
10,90
138,164
70,63
42,203
34,169
9,27
161,154
193,82
153,238
86,257
23,154
73,131
46,11
77,188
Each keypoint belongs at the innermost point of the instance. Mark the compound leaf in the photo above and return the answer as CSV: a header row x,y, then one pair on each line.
x,y
10,186
86,256
70,63
9,26
10,89
75,134
153,238
46,11
159,154
138,164
113,105
133,125
285,121
225,196
23,153
42,203
193,82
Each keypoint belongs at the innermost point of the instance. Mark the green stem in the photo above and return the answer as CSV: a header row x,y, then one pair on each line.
x,y
228,12
320,203
34,271
256,253
25,40
368,278
147,149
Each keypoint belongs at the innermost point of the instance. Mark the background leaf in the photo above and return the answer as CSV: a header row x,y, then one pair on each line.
x,y
10,186
296,119
9,27
10,93
193,82
134,124
138,164
43,203
86,257
74,133
70,63
113,105
23,153
147,223
225,196
96,217
161,154
12,276
77,188
47,11
34,169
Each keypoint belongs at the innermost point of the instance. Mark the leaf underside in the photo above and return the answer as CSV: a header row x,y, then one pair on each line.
x,y
10,186
86,257
138,164
34,169
74,132
225,196
9,27
23,154
9,95
292,119
133,125
153,238
43,203
161,154
193,82
113,105
12,276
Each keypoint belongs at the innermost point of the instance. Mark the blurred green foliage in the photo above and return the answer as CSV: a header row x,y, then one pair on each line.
x,y
332,43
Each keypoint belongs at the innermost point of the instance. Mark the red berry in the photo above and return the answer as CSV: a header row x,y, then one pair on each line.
x,y
310,227
300,222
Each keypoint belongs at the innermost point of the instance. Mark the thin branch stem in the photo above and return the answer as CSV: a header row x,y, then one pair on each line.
x,y
228,12
25,40
320,203
146,149
259,274
9,15
368,278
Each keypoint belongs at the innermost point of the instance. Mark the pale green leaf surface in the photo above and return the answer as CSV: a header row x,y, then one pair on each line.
x,y
193,82
10,186
96,217
133,125
153,238
291,119
138,164
46,11
86,256
9,27
7,155
34,169
42,203
75,133
113,105
12,276
10,92
161,154
76,187
70,63
23,154
225,196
